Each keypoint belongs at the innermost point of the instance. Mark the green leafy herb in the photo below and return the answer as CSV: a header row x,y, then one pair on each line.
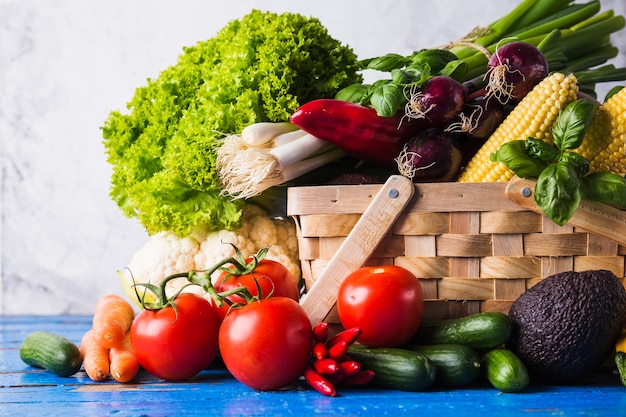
x,y
436,59
563,177
387,62
387,98
514,155
355,93
569,129
604,187
557,192
538,149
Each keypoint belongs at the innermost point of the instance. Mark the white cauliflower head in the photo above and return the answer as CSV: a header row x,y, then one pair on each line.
x,y
166,254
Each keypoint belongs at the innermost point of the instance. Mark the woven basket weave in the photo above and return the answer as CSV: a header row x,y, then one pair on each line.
x,y
471,247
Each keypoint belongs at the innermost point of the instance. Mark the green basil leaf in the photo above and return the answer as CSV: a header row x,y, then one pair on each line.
x,y
513,155
569,130
355,93
455,69
415,74
436,59
578,162
387,98
363,63
557,192
612,92
387,62
541,150
604,187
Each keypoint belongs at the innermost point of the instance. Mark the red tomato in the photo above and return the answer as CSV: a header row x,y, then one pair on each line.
x,y
386,302
272,277
176,345
266,344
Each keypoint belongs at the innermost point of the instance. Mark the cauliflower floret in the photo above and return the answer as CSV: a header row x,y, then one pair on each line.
x,y
217,246
253,210
163,255
262,231
287,237
166,254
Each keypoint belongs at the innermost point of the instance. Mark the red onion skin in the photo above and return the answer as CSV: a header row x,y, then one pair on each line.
x,y
431,155
440,100
525,65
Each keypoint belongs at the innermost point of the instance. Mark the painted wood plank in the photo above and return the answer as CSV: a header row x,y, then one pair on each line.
x,y
26,391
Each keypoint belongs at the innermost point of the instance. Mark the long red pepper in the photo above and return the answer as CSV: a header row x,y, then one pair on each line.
x,y
357,129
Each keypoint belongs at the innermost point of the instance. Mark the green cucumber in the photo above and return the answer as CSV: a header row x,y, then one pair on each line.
x,y
456,364
486,330
505,371
51,352
395,368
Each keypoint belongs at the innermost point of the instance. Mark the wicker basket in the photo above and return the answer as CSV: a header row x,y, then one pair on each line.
x,y
472,247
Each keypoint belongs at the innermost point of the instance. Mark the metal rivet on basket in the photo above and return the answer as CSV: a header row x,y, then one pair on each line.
x,y
526,192
393,193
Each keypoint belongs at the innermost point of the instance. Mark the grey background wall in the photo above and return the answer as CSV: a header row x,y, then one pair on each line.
x,y
65,64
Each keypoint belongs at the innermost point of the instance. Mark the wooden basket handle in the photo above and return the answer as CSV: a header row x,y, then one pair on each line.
x,y
358,246
597,218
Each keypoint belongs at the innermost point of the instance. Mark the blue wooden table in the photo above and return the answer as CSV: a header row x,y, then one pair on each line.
x,y
29,391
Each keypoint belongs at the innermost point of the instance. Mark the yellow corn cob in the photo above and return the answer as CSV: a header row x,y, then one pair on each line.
x,y
534,116
605,141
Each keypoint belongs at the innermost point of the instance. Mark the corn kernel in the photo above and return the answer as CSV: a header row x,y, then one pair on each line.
x,y
605,140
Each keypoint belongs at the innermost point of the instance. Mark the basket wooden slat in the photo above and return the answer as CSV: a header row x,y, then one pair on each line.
x,y
472,248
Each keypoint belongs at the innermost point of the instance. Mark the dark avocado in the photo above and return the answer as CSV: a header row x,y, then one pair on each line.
x,y
566,325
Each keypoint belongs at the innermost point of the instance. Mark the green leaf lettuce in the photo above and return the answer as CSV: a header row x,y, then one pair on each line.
x,y
261,67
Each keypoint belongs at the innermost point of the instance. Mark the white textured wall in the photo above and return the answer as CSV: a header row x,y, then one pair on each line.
x,y
65,64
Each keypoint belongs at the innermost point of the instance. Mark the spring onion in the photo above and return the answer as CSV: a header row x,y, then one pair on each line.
x,y
265,155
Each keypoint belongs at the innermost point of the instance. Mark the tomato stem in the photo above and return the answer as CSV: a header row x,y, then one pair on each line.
x,y
243,266
239,266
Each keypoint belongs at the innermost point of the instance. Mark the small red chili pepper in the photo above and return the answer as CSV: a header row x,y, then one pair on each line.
x,y
360,378
349,336
319,383
326,366
319,350
349,368
358,130
338,350
320,332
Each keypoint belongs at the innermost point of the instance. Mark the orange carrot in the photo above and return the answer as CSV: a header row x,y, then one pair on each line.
x,y
95,357
111,320
124,364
